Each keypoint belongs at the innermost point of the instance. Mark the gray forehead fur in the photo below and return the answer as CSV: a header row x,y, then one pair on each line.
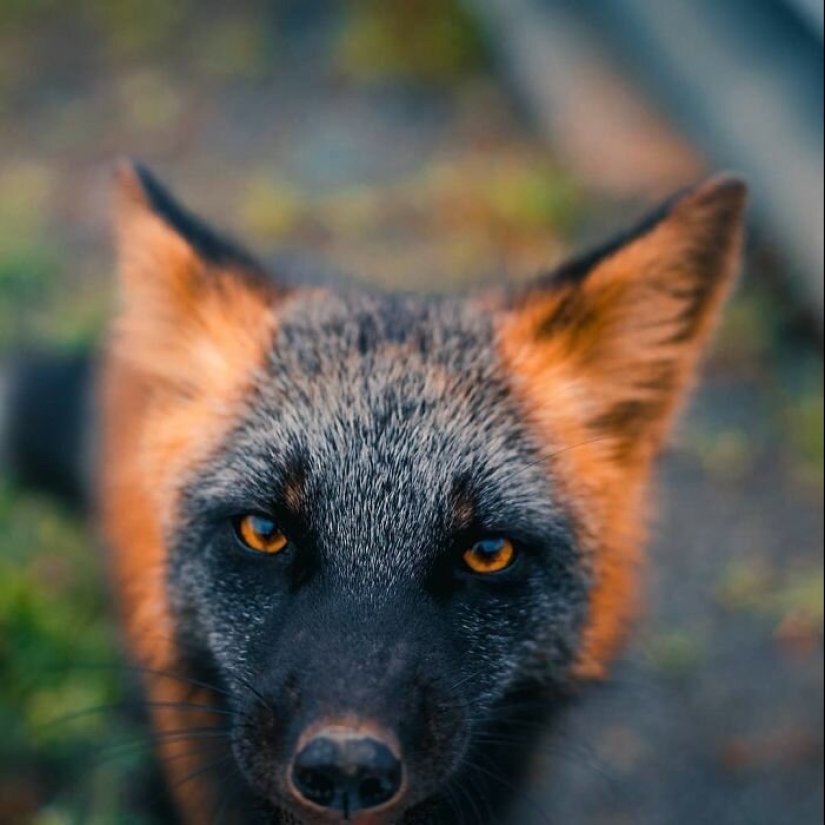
x,y
388,401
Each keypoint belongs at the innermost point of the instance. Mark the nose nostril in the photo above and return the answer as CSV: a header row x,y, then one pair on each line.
x,y
347,774
316,786
374,791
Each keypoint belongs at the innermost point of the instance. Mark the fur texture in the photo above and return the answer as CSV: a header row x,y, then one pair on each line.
x,y
385,435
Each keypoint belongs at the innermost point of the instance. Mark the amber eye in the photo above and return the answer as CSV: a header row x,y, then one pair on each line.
x,y
490,556
262,535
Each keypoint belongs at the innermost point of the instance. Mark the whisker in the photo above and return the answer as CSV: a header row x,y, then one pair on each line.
x,y
128,705
202,771
482,791
161,674
151,743
462,789
518,791
582,757
455,688
453,803
224,800
242,681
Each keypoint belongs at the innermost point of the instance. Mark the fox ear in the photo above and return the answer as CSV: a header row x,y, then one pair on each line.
x,y
612,341
189,298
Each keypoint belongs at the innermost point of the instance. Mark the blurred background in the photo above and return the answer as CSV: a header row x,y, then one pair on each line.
x,y
433,143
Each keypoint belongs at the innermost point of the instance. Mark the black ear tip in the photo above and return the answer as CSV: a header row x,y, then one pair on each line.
x,y
719,204
137,189
725,194
136,181
133,181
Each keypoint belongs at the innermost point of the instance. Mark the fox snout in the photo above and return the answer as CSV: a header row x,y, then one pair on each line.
x,y
352,769
348,769
352,740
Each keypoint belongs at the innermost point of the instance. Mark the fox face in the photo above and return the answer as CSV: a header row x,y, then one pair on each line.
x,y
382,538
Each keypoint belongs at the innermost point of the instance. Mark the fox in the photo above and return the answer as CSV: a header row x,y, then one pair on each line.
x,y
364,547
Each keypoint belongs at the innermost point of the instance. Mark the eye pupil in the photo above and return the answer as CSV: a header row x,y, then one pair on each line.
x,y
261,535
490,556
262,526
490,547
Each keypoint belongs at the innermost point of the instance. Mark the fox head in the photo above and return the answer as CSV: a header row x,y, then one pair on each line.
x,y
371,532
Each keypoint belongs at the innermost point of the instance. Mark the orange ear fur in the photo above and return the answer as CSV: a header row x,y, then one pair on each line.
x,y
603,356
185,321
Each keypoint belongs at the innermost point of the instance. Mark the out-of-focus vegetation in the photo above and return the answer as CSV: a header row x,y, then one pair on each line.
x,y
383,144
424,39
474,213
35,301
57,657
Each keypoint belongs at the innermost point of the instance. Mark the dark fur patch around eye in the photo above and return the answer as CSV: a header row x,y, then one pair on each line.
x,y
293,491
462,504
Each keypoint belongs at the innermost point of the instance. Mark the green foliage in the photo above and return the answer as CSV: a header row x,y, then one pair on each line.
x,y
428,40
775,595
234,48
27,260
37,299
17,13
25,270
806,425
134,27
56,656
676,653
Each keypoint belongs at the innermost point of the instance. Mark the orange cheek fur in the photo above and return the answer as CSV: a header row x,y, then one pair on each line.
x,y
602,368
607,501
157,430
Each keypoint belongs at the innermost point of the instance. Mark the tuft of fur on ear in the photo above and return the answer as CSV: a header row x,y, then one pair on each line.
x,y
616,337
194,307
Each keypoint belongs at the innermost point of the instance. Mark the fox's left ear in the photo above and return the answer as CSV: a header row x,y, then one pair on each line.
x,y
611,342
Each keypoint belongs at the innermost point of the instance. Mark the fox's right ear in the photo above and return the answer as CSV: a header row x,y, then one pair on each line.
x,y
193,304
613,340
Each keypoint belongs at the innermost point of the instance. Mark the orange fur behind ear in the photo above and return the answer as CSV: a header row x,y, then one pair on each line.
x,y
603,361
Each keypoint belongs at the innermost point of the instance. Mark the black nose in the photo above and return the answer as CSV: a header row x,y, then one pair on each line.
x,y
347,773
